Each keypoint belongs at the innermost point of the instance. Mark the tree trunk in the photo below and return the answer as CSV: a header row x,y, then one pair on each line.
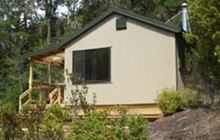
x,y
48,31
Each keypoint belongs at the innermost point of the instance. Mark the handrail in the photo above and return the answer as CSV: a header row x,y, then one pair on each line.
x,y
26,103
53,92
24,94
46,83
55,96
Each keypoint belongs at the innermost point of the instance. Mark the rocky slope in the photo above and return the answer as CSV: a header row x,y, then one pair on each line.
x,y
191,124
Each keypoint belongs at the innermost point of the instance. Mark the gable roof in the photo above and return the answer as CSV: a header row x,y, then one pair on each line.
x,y
113,10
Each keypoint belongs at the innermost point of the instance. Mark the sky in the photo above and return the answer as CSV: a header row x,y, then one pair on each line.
x,y
60,11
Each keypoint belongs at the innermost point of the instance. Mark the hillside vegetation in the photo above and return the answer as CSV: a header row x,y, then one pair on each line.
x,y
23,30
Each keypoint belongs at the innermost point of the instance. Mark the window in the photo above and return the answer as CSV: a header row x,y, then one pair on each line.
x,y
92,65
121,23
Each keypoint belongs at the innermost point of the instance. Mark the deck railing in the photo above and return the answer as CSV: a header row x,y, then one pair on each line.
x,y
55,96
26,94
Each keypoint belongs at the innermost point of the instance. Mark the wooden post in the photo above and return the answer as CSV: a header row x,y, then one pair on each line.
x,y
30,79
20,105
49,73
59,95
50,100
30,75
40,97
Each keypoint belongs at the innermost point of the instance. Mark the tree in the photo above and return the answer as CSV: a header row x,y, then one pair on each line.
x,y
72,15
90,9
12,39
50,7
157,9
165,9
205,37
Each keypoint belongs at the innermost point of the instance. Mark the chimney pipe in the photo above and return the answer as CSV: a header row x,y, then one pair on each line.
x,y
185,17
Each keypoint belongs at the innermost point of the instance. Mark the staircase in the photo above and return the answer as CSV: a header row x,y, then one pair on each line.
x,y
27,95
54,97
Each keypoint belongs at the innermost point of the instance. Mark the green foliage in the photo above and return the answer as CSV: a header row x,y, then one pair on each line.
x,y
130,127
165,9
169,101
53,122
10,122
217,52
157,9
93,126
79,100
9,119
97,126
1,134
189,98
137,128
11,95
32,116
205,37
44,123
79,96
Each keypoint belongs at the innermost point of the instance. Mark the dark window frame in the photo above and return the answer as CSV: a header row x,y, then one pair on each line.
x,y
107,80
121,23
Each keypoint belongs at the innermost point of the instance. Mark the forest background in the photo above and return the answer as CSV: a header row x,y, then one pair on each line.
x,y
24,30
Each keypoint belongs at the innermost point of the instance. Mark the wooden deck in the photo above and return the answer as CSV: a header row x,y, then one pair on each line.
x,y
149,111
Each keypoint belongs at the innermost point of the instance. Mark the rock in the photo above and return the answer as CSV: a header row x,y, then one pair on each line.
x,y
191,124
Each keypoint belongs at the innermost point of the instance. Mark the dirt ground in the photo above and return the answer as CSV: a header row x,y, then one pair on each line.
x,y
191,124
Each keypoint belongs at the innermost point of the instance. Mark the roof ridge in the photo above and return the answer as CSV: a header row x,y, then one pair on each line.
x,y
94,22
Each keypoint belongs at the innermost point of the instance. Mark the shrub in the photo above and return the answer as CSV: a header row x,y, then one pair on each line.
x,y
97,126
169,101
93,126
11,128
53,122
79,99
32,116
130,127
1,134
137,126
189,98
